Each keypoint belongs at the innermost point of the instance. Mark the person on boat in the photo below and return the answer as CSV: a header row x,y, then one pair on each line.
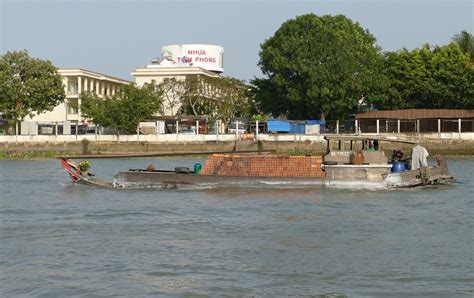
x,y
419,157
399,156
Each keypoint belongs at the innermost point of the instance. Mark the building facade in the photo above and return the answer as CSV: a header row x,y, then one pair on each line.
x,y
161,72
179,62
75,81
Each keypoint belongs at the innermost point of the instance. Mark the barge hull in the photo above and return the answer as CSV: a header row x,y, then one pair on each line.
x,y
173,180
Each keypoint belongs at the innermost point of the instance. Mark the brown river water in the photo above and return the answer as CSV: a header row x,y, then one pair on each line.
x,y
58,239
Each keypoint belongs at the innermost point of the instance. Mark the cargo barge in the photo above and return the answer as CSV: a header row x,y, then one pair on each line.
x,y
350,160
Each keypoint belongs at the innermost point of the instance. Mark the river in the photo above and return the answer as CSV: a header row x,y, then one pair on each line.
x,y
60,239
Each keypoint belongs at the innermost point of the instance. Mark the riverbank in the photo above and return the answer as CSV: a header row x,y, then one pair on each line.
x,y
91,149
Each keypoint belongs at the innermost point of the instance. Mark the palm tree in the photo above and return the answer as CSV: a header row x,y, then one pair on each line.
x,y
465,41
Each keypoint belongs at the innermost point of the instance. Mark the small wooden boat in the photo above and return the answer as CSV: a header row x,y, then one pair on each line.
x,y
350,160
438,174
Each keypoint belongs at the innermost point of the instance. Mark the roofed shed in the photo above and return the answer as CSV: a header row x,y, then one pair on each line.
x,y
413,114
417,120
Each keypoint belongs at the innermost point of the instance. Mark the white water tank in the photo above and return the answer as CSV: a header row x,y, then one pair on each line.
x,y
209,57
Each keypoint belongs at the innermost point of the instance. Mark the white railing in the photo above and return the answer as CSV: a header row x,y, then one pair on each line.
x,y
166,138
158,138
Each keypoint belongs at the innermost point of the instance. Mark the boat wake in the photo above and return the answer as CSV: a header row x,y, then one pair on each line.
x,y
369,185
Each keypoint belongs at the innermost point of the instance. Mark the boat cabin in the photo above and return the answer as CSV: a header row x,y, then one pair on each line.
x,y
356,150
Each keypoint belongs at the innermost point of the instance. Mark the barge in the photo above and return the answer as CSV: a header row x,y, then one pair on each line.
x,y
349,161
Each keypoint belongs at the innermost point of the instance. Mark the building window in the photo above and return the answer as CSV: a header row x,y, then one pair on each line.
x,y
72,107
72,87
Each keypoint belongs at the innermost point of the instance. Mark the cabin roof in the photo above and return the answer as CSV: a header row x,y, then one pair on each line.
x,y
393,139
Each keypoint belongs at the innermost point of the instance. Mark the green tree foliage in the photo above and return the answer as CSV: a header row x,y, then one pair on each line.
x,y
465,41
316,66
28,85
125,109
219,97
429,77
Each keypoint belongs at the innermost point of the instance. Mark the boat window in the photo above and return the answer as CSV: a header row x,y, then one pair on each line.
x,y
376,145
353,145
356,145
370,145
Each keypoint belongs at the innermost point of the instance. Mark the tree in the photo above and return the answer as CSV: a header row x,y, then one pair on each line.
x,y
28,85
429,77
125,109
317,66
219,97
465,41
266,96
173,91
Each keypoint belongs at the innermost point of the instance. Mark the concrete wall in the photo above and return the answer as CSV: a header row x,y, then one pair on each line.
x,y
105,147
171,143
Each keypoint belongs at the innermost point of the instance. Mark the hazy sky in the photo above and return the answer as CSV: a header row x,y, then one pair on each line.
x,y
115,37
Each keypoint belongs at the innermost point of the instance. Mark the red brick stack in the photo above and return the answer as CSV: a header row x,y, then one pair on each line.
x,y
263,166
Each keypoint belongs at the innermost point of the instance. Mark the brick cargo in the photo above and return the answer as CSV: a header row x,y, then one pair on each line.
x,y
263,166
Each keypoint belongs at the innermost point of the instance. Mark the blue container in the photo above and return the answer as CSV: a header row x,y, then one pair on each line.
x,y
296,128
278,125
313,122
398,167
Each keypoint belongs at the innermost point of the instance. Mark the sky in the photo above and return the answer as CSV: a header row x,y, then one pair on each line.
x,y
115,37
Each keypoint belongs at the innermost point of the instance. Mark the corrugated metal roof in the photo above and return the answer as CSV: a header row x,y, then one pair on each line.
x,y
417,114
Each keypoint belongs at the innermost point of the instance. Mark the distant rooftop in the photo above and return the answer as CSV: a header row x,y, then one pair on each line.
x,y
410,114
96,75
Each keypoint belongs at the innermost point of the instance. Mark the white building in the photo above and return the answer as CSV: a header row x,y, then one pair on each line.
x,y
176,61
75,81
180,61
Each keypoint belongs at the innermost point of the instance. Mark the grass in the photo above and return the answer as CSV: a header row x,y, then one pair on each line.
x,y
29,154
5,154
